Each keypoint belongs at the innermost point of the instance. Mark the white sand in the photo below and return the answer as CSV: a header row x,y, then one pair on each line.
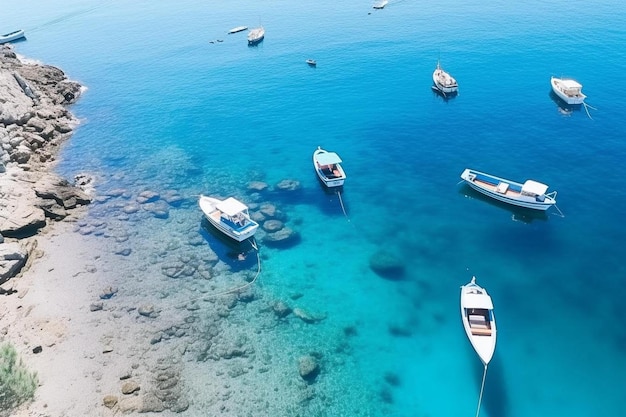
x,y
51,309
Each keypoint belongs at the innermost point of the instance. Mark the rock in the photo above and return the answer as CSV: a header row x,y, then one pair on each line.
x,y
272,226
148,197
288,185
110,401
257,186
147,310
108,292
307,317
284,237
13,257
130,387
387,265
37,349
308,367
281,309
96,306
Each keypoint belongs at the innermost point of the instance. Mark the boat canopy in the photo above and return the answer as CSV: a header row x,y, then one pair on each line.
x,y
534,187
570,84
472,300
231,206
328,158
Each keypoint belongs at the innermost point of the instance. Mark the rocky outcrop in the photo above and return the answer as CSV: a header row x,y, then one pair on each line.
x,y
34,122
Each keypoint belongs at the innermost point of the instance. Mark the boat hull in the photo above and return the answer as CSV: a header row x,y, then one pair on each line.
x,y
488,185
479,321
329,179
208,206
444,82
256,36
9,37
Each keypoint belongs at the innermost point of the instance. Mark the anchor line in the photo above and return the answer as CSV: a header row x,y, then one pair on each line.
x,y
342,206
482,387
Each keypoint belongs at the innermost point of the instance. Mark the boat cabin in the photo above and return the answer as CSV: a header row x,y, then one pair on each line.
x,y
234,213
534,189
327,164
571,88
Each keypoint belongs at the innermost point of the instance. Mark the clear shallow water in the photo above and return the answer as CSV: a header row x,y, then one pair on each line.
x,y
168,110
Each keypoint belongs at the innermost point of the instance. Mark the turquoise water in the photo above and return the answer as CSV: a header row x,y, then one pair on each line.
x,y
166,109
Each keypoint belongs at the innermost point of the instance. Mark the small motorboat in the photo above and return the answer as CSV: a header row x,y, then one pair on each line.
x,y
11,36
568,90
328,168
444,82
311,62
230,216
531,194
256,35
478,320
237,29
380,4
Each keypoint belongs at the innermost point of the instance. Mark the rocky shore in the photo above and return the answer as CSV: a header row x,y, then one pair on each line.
x,y
34,122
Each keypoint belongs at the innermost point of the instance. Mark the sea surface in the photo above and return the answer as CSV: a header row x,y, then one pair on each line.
x,y
175,104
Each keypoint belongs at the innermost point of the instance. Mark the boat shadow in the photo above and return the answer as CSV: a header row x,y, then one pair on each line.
x,y
444,96
562,107
495,396
333,200
237,255
518,214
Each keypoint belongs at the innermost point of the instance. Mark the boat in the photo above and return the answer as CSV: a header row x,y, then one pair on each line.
x,y
380,4
568,90
230,216
531,194
11,36
444,82
478,320
237,29
311,62
256,35
328,168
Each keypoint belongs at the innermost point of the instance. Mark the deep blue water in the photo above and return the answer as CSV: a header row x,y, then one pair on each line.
x,y
166,109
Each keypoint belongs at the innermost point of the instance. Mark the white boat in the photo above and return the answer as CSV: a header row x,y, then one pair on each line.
x,y
444,82
229,216
311,62
531,194
380,4
478,319
237,29
568,90
256,35
8,37
328,168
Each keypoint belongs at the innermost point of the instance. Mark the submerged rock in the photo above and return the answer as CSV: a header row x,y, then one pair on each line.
x,y
387,265
308,367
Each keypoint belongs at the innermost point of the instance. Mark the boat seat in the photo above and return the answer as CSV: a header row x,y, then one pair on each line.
x,y
478,321
481,332
502,188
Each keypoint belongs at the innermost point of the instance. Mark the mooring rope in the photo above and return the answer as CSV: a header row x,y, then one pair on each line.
x,y
482,387
342,206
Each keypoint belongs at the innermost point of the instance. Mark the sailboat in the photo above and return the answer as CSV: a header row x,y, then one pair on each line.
x,y
479,323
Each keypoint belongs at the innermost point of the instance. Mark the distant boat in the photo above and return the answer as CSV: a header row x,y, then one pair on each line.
x,y
256,35
478,320
229,216
237,29
380,4
531,194
568,90
444,82
328,168
311,62
9,37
